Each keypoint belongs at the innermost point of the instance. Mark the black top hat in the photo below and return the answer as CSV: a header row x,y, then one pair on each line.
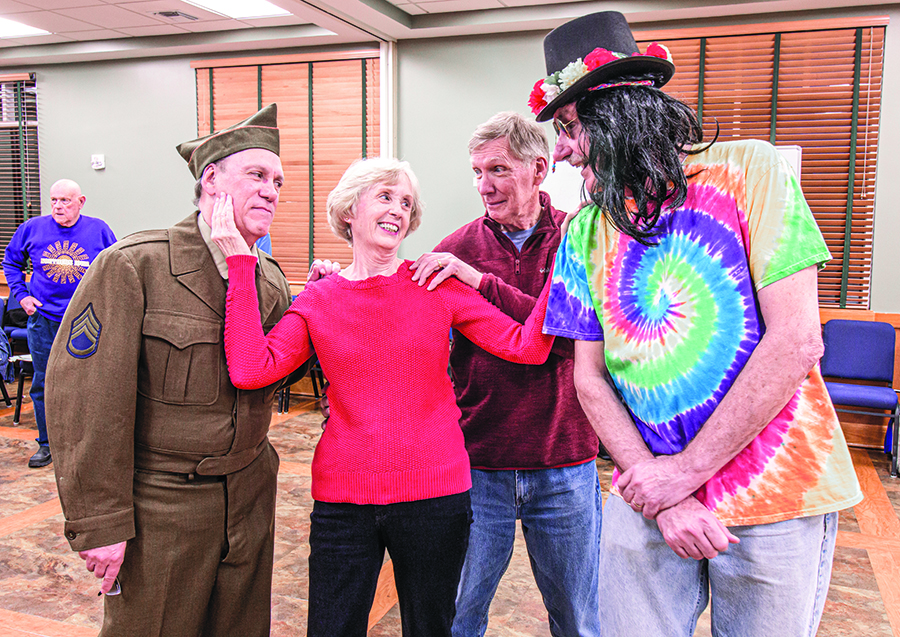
x,y
591,52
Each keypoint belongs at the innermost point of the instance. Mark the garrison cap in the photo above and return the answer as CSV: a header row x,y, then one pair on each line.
x,y
260,130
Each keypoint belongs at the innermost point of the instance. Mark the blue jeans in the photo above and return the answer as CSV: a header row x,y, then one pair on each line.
x,y
773,583
427,542
560,512
41,332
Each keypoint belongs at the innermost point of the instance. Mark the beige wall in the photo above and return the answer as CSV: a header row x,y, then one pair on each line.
x,y
886,266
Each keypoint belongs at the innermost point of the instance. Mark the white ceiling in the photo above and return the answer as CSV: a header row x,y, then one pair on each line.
x,y
108,29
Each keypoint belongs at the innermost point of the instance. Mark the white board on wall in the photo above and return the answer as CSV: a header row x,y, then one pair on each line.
x,y
794,155
564,185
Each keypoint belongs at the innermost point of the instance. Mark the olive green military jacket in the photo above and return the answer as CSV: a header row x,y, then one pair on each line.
x,y
137,378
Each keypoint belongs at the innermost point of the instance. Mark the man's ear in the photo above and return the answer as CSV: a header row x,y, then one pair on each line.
x,y
208,180
541,167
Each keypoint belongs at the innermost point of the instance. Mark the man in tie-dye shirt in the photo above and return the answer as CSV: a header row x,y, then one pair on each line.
x,y
689,285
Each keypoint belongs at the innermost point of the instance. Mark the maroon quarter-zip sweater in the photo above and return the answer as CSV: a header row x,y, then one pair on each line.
x,y
516,416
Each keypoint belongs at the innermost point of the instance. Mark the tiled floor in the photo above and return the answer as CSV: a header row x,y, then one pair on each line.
x,y
44,589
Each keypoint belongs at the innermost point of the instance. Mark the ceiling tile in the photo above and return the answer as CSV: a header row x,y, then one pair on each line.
x,y
11,6
52,5
110,17
98,34
447,6
147,7
53,38
411,9
274,21
52,22
212,25
160,29
534,3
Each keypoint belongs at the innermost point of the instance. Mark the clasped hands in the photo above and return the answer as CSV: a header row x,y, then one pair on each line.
x,y
660,489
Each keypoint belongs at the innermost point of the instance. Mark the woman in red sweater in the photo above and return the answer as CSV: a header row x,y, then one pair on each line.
x,y
390,470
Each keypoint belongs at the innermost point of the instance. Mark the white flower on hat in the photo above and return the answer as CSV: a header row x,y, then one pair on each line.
x,y
572,73
550,91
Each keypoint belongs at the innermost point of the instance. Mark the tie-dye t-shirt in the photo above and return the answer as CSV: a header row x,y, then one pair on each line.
x,y
680,319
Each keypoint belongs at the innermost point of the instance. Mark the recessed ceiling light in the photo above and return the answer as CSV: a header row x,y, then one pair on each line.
x,y
10,29
241,9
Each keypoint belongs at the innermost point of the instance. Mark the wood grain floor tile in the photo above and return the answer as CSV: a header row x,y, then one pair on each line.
x,y
14,624
17,521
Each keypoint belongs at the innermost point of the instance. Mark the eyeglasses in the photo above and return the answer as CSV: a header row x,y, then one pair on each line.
x,y
563,127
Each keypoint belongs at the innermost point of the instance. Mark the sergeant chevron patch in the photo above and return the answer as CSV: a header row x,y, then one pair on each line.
x,y
84,336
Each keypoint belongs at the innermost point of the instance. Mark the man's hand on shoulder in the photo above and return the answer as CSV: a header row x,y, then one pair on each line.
x,y
564,226
693,531
446,265
104,562
322,268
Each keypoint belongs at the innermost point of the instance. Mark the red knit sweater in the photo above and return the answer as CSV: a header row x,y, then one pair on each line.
x,y
393,433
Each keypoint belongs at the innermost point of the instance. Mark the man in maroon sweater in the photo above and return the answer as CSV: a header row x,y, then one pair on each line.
x,y
531,447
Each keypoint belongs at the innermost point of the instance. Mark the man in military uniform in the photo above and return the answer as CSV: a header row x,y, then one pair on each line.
x,y
164,469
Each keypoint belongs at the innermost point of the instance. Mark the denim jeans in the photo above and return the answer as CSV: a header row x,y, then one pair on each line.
x,y
560,512
773,583
41,332
427,542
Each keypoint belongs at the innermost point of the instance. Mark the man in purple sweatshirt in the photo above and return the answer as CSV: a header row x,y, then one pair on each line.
x,y
531,447
60,246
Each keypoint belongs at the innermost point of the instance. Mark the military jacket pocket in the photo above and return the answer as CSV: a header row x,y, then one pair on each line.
x,y
181,358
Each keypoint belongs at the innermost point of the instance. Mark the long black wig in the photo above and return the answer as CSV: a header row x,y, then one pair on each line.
x,y
638,135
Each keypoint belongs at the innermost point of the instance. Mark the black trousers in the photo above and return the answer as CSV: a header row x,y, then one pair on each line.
x,y
427,541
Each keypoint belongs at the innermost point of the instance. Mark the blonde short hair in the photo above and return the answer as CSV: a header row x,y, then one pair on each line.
x,y
526,139
359,177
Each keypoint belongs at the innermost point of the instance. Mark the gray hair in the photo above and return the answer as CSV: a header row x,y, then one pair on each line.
x,y
359,177
526,139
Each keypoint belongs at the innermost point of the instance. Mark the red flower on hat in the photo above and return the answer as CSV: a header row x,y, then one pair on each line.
x,y
599,57
658,51
536,100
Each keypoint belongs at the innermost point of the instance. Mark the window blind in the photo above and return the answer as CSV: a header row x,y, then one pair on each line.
x,y
20,189
328,116
818,89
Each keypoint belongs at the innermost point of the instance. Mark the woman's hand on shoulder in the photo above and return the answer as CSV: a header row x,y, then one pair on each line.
x,y
224,232
446,265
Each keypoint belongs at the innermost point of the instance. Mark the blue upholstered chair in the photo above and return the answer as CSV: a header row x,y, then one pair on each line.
x,y
18,336
863,351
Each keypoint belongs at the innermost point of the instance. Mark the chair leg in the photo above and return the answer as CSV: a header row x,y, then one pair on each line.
x,y
21,388
895,432
315,382
5,393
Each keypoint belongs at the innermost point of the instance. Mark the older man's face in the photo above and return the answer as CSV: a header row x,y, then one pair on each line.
x,y
66,202
253,178
572,144
509,187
